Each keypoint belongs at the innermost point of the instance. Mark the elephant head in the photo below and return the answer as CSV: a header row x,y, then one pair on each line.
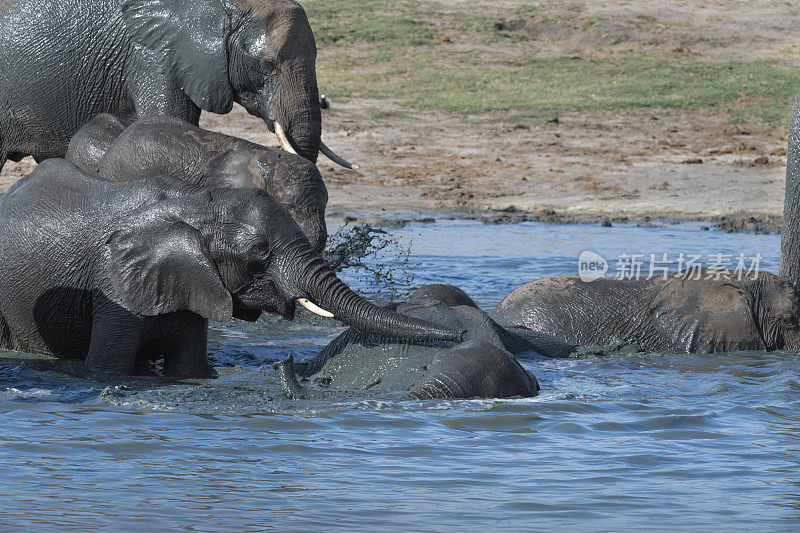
x,y
236,252
260,54
293,181
298,186
776,306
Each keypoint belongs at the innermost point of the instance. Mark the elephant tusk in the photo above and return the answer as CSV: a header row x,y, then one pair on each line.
x,y
283,139
330,154
314,308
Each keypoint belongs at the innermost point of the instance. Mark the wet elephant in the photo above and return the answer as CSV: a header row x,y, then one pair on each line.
x,y
689,313
167,146
482,366
121,273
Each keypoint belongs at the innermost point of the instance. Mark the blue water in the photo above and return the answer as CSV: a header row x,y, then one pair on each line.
x,y
645,442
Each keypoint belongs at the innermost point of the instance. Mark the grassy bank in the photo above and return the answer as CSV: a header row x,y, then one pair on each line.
x,y
428,57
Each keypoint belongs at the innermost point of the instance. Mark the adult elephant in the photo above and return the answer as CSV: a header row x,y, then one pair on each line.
x,y
120,273
167,146
64,61
482,366
680,314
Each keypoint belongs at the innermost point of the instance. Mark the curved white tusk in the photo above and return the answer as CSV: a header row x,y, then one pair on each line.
x,y
330,154
283,139
314,308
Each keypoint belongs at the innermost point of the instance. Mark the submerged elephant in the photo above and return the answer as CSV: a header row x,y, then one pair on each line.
x,y
120,273
482,366
167,146
65,61
678,314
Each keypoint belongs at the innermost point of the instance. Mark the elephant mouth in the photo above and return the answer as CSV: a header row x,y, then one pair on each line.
x,y
252,302
286,145
248,315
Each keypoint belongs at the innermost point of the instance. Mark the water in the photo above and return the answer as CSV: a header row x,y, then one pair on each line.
x,y
646,442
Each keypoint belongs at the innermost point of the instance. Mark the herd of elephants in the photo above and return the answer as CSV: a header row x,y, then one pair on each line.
x,y
138,227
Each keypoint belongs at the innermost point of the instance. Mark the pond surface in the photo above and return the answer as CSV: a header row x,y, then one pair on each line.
x,y
645,442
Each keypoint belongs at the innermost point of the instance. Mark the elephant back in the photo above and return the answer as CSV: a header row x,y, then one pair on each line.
x,y
603,312
162,146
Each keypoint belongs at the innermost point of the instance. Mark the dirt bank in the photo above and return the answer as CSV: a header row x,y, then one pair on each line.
x,y
635,164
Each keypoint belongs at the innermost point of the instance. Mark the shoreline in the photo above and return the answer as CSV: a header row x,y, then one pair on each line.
x,y
734,223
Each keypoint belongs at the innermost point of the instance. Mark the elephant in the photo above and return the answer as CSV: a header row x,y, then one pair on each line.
x,y
161,145
65,61
689,312
119,274
482,366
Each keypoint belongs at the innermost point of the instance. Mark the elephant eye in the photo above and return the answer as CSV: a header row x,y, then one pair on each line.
x,y
261,247
789,322
267,66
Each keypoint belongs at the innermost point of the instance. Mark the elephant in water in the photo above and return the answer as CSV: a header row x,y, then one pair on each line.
x,y
167,146
66,61
121,273
482,366
679,314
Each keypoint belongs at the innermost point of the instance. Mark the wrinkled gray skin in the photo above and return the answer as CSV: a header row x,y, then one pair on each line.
x,y
120,273
167,146
790,236
63,62
482,366
676,315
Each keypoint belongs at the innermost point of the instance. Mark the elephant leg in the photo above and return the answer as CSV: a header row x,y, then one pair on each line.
x,y
288,380
187,353
115,341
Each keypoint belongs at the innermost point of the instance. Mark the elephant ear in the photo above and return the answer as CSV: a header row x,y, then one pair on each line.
x,y
157,264
189,36
705,316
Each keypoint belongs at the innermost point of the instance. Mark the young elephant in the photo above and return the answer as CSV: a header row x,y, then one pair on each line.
x,y
122,272
158,146
480,367
679,314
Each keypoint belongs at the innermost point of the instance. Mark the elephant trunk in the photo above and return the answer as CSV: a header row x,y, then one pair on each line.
x,y
296,113
322,287
790,237
313,226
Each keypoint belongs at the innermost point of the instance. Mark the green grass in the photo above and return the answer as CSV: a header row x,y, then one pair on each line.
x,y
382,22
389,49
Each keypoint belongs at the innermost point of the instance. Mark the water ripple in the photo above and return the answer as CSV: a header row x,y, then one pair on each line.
x,y
647,442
